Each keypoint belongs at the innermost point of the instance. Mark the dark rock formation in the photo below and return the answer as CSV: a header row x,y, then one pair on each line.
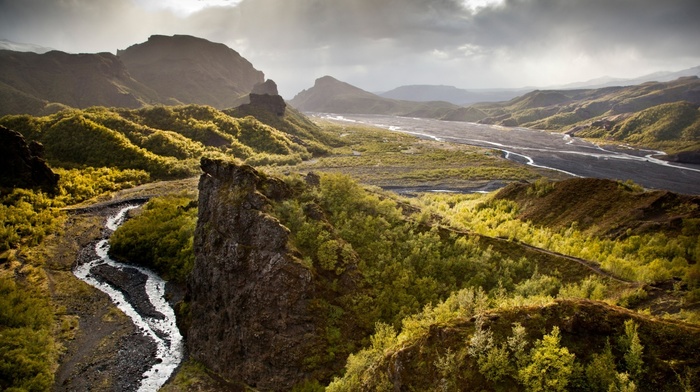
x,y
251,298
269,87
265,97
23,165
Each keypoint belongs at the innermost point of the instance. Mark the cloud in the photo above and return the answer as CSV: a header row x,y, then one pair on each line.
x,y
381,44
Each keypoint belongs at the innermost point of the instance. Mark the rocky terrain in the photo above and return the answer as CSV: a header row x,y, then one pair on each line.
x,y
251,299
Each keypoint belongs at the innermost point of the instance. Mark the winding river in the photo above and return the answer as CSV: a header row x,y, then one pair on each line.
x,y
157,324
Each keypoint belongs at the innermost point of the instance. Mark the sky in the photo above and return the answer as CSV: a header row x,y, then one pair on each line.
x,y
379,45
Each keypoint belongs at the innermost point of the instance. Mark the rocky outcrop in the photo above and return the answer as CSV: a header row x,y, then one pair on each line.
x,y
264,97
251,300
23,164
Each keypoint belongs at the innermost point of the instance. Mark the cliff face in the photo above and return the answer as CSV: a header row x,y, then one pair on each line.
x,y
23,164
250,299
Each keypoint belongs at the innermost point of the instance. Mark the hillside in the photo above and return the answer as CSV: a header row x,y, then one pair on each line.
x,y
448,307
188,70
163,70
602,207
329,95
29,82
658,115
166,142
561,109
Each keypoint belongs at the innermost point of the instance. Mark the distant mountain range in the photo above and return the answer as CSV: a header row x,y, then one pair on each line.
x,y
662,115
459,96
330,95
164,70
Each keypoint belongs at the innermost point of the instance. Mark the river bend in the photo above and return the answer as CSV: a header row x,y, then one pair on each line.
x,y
141,296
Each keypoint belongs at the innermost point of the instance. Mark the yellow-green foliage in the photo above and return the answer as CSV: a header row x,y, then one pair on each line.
x,y
404,263
673,121
161,237
26,217
27,349
77,185
166,142
647,257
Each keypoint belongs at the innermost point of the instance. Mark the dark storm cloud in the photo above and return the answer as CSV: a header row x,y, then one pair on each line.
x,y
380,44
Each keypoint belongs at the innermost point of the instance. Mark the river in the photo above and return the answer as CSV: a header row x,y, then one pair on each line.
x,y
144,304
555,151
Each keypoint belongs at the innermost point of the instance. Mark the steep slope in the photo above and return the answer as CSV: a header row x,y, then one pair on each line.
x,y
563,345
258,311
23,164
604,207
29,81
329,95
186,69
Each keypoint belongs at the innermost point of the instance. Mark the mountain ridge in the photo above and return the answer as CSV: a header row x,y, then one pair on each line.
x,y
167,70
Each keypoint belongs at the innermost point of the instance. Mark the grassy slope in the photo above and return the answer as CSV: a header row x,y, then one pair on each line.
x,y
167,142
603,207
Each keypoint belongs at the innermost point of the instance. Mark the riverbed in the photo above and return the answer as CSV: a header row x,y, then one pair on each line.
x,y
554,151
141,295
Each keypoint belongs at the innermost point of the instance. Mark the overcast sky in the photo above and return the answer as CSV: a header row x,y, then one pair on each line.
x,y
378,45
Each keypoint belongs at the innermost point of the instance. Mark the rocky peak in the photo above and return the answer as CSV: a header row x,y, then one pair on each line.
x,y
23,164
253,317
265,96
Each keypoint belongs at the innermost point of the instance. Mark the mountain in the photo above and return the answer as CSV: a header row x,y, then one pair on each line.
x,y
559,109
607,81
184,69
30,81
329,95
457,96
164,70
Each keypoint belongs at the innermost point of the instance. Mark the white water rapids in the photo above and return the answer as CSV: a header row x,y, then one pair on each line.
x,y
163,332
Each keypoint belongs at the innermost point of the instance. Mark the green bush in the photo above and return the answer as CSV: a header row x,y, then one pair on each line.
x,y
160,237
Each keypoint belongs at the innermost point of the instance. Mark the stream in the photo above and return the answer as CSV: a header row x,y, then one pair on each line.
x,y
141,296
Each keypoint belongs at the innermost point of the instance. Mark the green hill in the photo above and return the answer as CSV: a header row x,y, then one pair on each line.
x,y
166,142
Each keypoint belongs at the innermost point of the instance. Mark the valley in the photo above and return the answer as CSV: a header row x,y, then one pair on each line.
x,y
423,246
559,152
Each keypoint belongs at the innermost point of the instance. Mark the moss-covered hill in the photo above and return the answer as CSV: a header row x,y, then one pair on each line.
x,y
166,142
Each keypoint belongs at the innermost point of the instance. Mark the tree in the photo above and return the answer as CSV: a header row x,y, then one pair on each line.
x,y
550,365
633,356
